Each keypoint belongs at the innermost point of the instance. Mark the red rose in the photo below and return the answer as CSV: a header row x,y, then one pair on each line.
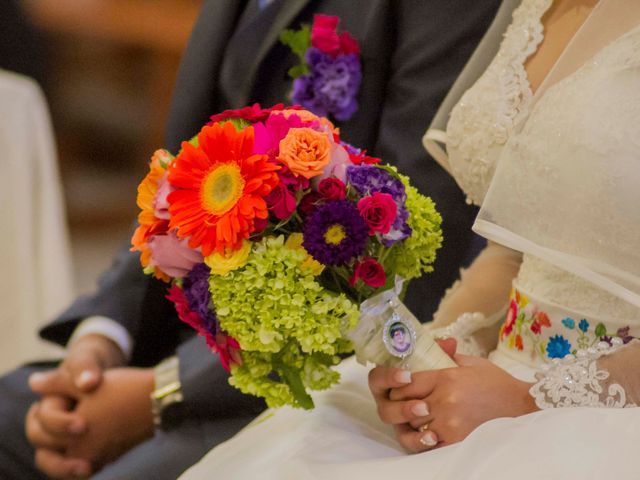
x,y
308,203
348,44
281,202
332,189
323,34
379,211
252,114
362,157
370,272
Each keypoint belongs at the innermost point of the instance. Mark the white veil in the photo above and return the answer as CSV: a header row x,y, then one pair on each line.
x,y
567,186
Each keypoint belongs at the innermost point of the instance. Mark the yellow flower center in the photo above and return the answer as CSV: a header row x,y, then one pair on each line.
x,y
222,188
334,234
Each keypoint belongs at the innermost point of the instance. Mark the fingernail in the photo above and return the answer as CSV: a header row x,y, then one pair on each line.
x,y
76,427
86,378
420,409
36,378
429,439
403,376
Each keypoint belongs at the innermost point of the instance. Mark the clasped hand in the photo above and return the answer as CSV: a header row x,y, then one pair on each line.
x,y
90,411
435,408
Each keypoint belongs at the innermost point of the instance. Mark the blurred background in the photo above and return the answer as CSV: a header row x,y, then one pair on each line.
x,y
107,69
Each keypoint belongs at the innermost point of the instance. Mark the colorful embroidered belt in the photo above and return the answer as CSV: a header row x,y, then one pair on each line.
x,y
536,331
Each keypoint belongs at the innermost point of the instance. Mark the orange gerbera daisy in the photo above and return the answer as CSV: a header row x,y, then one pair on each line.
x,y
220,188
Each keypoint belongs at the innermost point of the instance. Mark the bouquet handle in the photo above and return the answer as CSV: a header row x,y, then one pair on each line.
x,y
389,334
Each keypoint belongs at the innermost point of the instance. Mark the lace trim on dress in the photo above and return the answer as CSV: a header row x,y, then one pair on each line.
x,y
487,113
463,329
578,382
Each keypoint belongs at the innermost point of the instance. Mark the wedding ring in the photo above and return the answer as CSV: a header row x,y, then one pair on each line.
x,y
423,428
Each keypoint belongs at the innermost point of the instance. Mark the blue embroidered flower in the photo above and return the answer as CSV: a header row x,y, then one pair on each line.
x,y
558,347
569,322
583,325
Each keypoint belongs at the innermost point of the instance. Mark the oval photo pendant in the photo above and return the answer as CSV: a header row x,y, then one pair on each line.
x,y
399,336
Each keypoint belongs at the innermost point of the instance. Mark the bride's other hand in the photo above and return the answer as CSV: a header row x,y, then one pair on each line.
x,y
439,407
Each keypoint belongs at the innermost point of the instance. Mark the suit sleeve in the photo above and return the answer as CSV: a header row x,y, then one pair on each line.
x,y
119,296
205,385
433,41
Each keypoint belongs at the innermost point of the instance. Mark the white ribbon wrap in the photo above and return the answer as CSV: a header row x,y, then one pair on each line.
x,y
368,335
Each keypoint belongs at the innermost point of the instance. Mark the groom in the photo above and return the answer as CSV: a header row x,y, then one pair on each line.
x,y
92,411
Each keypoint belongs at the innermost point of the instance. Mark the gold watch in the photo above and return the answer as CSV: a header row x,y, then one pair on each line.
x,y
167,395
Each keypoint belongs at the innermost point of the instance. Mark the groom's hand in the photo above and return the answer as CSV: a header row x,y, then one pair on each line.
x,y
117,414
81,370
50,424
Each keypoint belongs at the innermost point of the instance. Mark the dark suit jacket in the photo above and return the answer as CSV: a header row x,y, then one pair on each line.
x,y
412,51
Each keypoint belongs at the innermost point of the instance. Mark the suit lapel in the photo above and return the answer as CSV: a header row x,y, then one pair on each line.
x,y
249,46
195,97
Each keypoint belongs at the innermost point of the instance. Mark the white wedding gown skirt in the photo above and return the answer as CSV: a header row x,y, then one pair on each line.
x,y
342,438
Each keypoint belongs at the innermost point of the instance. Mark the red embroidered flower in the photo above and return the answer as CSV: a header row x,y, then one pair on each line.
x,y
519,344
511,318
543,319
535,327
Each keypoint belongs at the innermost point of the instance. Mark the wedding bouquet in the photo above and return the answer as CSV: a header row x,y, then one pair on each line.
x,y
272,231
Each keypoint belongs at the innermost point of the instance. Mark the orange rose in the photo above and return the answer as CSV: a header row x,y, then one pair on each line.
x,y
305,151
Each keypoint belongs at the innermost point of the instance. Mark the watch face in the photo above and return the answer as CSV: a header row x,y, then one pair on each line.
x,y
398,336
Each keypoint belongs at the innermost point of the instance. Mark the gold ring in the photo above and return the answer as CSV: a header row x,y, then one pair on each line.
x,y
423,428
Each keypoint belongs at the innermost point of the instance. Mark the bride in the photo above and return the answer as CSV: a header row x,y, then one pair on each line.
x,y
547,142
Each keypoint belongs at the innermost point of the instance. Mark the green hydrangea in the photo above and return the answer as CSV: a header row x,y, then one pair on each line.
x,y
415,255
289,327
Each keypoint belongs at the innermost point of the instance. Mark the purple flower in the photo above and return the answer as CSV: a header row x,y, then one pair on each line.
x,y
335,233
196,291
331,86
367,180
623,333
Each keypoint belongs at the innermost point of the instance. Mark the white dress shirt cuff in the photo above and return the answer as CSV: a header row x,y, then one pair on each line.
x,y
108,328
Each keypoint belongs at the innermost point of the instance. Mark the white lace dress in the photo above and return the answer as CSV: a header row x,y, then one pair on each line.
x,y
557,327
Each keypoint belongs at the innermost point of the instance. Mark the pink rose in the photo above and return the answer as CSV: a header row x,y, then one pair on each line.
x,y
173,255
281,202
160,202
370,272
332,189
338,164
379,211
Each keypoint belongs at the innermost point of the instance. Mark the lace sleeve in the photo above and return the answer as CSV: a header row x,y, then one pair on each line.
x,y
473,307
605,376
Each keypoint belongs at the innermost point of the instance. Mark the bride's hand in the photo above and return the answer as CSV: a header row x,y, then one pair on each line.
x,y
441,407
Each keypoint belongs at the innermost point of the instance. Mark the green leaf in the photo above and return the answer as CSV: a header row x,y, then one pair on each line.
x,y
299,41
391,170
601,330
298,70
239,123
294,381
194,141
